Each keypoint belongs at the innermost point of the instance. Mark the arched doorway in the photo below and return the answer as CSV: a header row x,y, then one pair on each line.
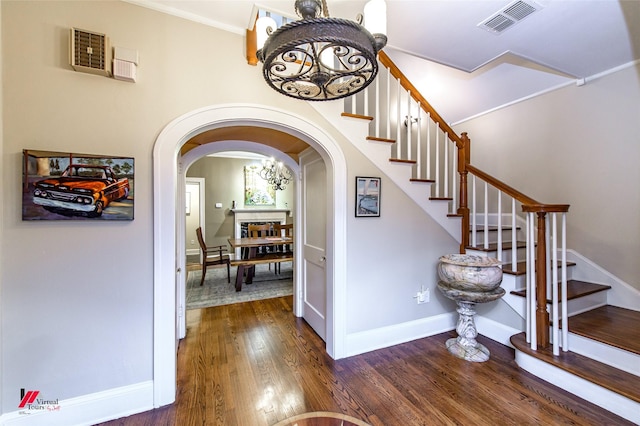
x,y
165,213
211,148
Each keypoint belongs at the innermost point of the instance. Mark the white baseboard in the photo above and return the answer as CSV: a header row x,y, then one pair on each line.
x,y
610,401
371,340
87,409
621,294
495,331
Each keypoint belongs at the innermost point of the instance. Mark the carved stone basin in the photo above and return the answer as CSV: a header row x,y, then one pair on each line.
x,y
469,272
468,280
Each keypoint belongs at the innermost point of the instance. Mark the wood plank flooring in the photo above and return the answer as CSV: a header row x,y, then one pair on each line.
x,y
256,364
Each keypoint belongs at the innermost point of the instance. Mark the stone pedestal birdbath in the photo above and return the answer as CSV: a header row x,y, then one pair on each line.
x,y
469,279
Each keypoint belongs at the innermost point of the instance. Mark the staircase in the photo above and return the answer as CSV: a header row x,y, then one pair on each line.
x,y
573,333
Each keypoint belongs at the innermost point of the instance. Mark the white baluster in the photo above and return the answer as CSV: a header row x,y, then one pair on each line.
x,y
531,275
388,103
514,254
474,239
409,124
398,120
353,105
437,177
419,143
563,290
554,289
486,216
366,102
454,180
377,103
445,148
499,225
429,145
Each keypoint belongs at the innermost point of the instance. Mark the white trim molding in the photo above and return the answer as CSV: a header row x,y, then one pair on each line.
x,y
165,184
87,409
371,340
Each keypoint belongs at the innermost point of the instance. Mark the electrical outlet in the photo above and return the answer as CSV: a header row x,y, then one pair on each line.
x,y
422,296
193,242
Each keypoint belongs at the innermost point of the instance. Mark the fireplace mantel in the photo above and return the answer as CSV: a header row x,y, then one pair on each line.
x,y
258,215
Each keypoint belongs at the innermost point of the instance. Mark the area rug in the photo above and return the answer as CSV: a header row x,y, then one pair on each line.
x,y
216,291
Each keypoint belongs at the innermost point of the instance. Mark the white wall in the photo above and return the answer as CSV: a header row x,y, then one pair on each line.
x,y
580,146
77,297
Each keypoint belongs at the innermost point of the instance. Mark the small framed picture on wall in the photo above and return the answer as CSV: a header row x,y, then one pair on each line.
x,y
367,196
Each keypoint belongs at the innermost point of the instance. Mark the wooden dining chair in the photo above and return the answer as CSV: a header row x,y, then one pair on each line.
x,y
213,255
260,231
284,231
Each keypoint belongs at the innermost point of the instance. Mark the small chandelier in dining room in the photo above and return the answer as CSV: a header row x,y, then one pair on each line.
x,y
275,173
322,58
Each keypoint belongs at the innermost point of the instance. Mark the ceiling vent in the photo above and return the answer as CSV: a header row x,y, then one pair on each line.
x,y
510,15
89,52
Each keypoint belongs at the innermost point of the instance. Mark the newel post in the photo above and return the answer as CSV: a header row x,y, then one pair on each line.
x,y
464,158
542,315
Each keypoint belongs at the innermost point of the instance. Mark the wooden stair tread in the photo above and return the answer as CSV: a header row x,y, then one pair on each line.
x,y
440,198
422,180
608,377
521,267
373,138
575,289
494,246
360,116
400,160
492,228
611,325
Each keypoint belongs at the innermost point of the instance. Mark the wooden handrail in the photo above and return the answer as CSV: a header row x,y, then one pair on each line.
x,y
502,186
529,205
546,208
404,82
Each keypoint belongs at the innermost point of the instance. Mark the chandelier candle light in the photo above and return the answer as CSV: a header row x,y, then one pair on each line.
x,y
275,173
322,58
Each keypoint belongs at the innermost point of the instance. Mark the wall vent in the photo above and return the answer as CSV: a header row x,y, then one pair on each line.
x,y
509,15
89,52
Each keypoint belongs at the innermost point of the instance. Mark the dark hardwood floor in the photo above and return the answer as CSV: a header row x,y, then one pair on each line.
x,y
256,364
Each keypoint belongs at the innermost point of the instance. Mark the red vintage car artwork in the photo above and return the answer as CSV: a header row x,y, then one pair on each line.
x,y
82,189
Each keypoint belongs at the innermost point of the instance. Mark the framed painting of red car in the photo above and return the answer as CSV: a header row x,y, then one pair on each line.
x,y
71,186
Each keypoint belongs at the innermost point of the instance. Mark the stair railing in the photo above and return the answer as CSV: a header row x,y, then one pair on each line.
x,y
418,135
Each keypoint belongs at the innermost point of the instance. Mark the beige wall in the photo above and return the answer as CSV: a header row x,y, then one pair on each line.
x,y
581,146
77,297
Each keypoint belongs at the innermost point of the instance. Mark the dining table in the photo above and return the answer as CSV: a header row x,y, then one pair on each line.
x,y
251,257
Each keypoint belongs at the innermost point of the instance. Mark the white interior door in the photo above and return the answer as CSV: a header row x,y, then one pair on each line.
x,y
314,237
193,206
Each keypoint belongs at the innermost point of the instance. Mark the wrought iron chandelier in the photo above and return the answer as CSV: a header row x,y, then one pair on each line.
x,y
275,173
322,58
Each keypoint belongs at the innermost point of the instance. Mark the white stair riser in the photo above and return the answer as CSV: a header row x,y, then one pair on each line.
x,y
606,354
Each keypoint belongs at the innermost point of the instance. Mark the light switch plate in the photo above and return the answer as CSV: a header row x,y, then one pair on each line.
x,y
218,205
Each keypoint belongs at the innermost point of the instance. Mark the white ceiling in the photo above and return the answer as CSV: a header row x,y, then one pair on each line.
x,y
463,70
